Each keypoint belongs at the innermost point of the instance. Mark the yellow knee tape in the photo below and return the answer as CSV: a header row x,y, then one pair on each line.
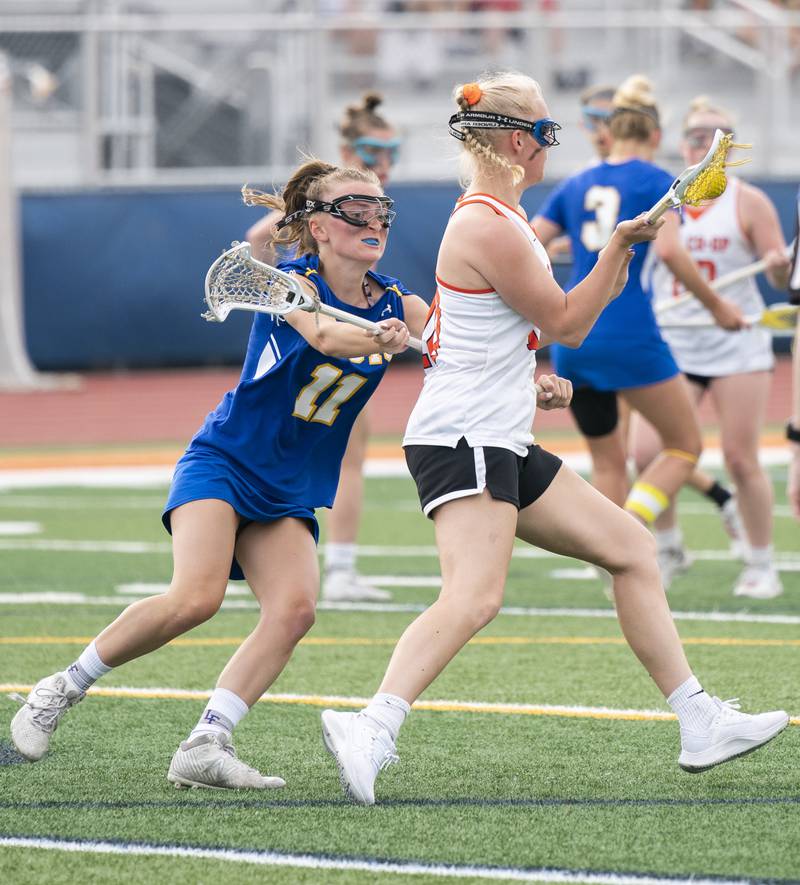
x,y
646,501
679,453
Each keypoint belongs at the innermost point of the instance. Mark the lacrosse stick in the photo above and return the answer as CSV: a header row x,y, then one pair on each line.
x,y
728,279
704,181
237,281
778,318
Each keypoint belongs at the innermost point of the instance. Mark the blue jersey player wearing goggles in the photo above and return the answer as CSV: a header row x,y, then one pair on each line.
x,y
243,497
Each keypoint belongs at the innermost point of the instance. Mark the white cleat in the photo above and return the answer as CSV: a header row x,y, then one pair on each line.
x,y
734,528
361,749
209,762
729,734
34,724
758,583
673,561
346,585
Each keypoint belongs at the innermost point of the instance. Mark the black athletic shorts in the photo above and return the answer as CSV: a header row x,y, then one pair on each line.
x,y
595,411
703,381
444,474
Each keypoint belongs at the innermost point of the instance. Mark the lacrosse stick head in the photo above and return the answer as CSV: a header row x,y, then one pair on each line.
x,y
709,180
237,281
780,317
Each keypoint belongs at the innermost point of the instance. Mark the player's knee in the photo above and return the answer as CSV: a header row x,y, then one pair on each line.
x,y
637,553
190,611
485,609
740,464
296,618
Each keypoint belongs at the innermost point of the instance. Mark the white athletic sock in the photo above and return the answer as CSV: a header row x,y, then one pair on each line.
x,y
223,712
760,557
84,672
340,556
669,539
389,711
692,705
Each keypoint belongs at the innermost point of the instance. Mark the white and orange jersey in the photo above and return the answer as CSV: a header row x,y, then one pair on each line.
x,y
479,358
714,237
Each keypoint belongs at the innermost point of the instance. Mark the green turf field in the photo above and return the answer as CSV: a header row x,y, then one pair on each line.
x,y
478,790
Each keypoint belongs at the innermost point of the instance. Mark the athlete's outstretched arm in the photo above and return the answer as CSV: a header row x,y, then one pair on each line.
x,y
673,253
332,338
481,249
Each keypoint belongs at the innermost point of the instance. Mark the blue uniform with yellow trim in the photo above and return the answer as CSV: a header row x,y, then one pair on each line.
x,y
274,445
624,347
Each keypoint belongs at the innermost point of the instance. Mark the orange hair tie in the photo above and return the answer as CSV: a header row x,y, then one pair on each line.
x,y
472,93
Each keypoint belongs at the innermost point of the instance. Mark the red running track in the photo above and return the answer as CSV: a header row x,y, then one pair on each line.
x,y
169,406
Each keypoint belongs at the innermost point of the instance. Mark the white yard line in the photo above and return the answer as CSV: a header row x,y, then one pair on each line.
x,y
366,865
20,528
53,597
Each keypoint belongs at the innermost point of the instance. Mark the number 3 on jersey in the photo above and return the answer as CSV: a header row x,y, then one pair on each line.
x,y
604,202
324,376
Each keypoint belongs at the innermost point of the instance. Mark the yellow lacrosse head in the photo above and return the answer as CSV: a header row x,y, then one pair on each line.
x,y
780,317
711,182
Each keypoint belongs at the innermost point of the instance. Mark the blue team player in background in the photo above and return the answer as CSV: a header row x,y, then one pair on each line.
x,y
243,495
624,352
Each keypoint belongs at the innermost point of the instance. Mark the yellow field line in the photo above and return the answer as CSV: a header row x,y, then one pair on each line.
x,y
730,641
439,706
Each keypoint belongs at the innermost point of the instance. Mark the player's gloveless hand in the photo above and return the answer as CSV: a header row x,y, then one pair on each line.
x,y
556,392
392,336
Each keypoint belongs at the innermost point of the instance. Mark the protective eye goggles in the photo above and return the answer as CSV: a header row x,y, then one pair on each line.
x,y
355,209
543,131
370,150
702,136
593,117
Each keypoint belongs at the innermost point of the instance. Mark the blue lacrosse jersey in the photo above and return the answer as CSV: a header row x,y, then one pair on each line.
x,y
280,435
624,347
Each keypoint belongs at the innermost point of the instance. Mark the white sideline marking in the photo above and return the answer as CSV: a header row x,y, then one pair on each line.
x,y
385,867
20,528
146,477
54,597
585,573
784,560
241,589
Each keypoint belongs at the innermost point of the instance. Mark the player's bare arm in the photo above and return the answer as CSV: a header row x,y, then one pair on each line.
x,y
333,338
507,264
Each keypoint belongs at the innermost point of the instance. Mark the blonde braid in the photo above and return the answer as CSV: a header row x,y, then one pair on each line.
x,y
508,93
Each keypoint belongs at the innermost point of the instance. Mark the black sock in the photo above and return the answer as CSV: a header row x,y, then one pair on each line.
x,y
718,494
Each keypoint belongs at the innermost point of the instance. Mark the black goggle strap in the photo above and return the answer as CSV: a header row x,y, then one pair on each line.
x,y
335,208
544,131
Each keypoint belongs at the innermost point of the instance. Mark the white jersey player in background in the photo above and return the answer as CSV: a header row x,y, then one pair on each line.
x,y
470,450
735,368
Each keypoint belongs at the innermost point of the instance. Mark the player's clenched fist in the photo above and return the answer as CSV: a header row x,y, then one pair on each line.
x,y
392,335
555,392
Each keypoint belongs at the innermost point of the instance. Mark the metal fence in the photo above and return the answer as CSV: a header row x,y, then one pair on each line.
x,y
116,93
